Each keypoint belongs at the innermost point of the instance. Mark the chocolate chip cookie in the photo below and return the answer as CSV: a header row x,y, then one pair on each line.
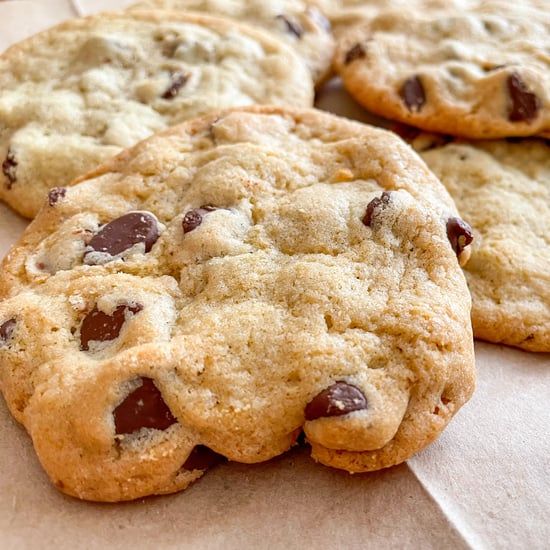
x,y
223,286
299,23
479,73
503,188
80,92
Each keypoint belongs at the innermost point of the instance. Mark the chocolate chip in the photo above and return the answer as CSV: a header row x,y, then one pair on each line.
x,y
56,194
6,331
354,53
98,326
374,204
412,93
459,233
292,27
143,408
9,167
123,233
193,218
202,458
178,81
525,105
339,399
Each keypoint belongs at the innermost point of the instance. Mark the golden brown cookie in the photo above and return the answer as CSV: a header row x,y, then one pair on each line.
x,y
478,73
503,188
225,285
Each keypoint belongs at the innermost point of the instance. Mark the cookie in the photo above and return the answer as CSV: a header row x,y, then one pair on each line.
x,y
345,13
80,92
479,73
503,188
297,22
225,285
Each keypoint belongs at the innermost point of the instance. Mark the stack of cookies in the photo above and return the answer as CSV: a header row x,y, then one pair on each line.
x,y
471,85
214,267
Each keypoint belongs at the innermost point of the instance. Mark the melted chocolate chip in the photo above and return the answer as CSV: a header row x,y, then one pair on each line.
x,y
178,81
292,27
354,53
56,194
202,458
459,233
6,331
123,233
143,408
412,93
339,399
193,218
524,105
98,326
9,167
374,204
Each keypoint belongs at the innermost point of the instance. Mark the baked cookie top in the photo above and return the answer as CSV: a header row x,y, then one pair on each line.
x,y
250,274
299,23
503,188
80,92
479,73
343,13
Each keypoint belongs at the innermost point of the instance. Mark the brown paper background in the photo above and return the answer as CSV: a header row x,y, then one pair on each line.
x,y
484,484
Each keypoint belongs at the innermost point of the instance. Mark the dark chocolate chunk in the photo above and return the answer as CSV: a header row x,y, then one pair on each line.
x,y
193,218
6,331
56,194
293,27
123,233
412,93
354,53
143,408
202,458
459,233
374,204
339,399
177,82
524,105
98,326
9,167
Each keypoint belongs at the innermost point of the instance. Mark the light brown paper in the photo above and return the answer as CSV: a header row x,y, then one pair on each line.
x,y
483,484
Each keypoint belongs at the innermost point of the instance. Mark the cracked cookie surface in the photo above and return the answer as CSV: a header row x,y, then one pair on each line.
x,y
299,23
227,284
78,93
503,188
